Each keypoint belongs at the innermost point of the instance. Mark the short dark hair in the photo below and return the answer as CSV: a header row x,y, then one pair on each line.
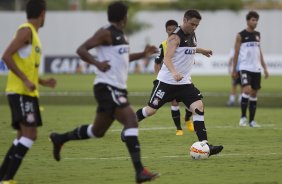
x,y
117,11
34,8
192,14
252,14
171,23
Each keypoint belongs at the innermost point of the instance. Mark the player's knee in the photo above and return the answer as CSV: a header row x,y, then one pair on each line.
x,y
99,134
199,111
150,111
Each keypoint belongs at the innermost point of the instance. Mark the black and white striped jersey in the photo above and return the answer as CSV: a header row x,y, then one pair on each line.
x,y
118,56
182,60
249,55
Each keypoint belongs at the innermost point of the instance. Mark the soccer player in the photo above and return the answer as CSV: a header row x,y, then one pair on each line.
x,y
22,57
110,88
174,81
249,57
170,26
234,82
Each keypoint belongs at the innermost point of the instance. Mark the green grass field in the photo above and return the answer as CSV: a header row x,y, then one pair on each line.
x,y
250,155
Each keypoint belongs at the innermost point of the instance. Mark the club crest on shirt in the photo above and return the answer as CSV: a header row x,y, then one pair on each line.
x,y
30,118
257,37
122,99
156,101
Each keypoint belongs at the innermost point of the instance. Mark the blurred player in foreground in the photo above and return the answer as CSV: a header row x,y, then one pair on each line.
x,y
110,89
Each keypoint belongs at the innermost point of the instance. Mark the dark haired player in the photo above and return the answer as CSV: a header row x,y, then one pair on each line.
x,y
249,57
174,80
110,88
170,26
22,57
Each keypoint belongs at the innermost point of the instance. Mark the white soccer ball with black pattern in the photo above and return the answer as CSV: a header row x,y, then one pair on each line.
x,y
199,150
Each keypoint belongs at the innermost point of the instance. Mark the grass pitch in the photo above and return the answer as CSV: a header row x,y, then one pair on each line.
x,y
250,155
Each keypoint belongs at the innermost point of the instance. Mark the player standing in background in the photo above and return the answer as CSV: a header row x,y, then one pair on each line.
x,y
110,88
174,80
23,58
170,26
234,82
249,56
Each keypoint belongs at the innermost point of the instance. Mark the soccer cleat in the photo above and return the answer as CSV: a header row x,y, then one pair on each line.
x,y
9,182
145,176
190,125
215,149
179,132
243,121
57,146
254,124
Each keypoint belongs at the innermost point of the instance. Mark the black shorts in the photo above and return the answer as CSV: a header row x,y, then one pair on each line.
x,y
109,97
25,110
250,78
236,81
163,93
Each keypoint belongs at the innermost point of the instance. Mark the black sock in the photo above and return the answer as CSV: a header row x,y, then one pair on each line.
x,y
79,133
19,152
252,109
200,129
6,161
176,118
140,115
188,115
244,105
133,147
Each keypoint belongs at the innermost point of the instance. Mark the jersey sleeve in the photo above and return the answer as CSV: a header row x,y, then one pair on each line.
x,y
160,57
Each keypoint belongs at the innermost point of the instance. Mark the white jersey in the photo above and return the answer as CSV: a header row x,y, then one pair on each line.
x,y
249,55
118,56
183,59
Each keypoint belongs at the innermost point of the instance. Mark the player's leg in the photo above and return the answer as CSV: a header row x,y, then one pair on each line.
x,y
175,113
8,157
25,121
191,97
101,124
246,90
252,109
232,95
127,117
188,120
197,109
25,142
159,96
199,126
256,80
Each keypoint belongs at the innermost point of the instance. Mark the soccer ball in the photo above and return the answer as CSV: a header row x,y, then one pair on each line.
x,y
200,150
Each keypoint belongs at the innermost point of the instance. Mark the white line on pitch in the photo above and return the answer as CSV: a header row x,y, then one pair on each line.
x,y
167,156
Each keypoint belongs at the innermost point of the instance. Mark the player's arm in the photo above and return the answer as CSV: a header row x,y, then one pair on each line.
x,y
206,52
158,60
22,38
49,82
236,55
266,74
101,37
149,50
172,43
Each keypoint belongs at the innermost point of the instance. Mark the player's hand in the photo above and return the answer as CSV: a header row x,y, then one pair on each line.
x,y
29,85
50,82
207,53
266,74
177,76
234,74
150,49
103,66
